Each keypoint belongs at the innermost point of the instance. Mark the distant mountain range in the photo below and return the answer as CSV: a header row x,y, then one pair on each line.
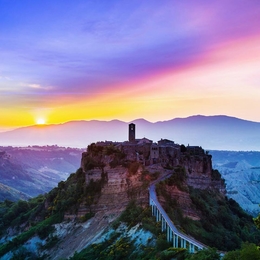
x,y
210,132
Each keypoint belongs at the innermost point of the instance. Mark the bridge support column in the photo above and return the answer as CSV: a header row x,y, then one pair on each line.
x,y
167,233
163,224
191,248
157,215
171,234
154,210
183,243
175,241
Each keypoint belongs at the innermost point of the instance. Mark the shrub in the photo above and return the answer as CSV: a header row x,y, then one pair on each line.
x,y
133,167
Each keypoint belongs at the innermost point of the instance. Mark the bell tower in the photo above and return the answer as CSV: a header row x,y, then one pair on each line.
x,y
131,136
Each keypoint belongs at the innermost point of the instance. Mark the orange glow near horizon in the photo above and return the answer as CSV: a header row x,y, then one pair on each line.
x,y
40,121
212,86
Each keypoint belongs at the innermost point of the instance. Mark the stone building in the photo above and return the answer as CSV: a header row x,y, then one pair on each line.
x,y
131,133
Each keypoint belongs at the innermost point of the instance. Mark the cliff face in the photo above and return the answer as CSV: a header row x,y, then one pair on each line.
x,y
241,171
118,190
194,171
200,173
124,180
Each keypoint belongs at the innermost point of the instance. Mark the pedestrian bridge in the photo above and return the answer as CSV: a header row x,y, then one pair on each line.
x,y
178,239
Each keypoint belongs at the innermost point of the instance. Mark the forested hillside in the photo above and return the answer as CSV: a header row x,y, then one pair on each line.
x,y
103,213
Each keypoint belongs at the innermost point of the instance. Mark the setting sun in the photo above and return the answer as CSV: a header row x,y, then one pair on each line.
x,y
40,121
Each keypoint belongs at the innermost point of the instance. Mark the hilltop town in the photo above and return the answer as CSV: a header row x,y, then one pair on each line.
x,y
164,154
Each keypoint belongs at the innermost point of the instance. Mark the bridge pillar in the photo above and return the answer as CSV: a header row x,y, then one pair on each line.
x,y
175,241
183,243
169,233
191,248
153,210
164,224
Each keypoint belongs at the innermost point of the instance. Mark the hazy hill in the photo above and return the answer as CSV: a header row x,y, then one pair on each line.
x,y
210,132
35,170
8,193
241,171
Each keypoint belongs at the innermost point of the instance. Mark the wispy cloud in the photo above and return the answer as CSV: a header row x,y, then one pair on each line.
x,y
71,52
38,86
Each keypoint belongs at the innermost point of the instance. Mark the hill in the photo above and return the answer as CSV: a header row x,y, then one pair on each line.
x,y
241,171
8,193
35,170
102,209
211,132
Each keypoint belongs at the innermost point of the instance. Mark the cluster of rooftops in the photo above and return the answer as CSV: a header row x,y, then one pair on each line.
x,y
146,151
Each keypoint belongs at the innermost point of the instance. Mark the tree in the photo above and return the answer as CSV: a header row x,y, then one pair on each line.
x,y
257,221
248,251
205,254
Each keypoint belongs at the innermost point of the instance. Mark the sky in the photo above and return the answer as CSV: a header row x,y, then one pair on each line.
x,y
64,60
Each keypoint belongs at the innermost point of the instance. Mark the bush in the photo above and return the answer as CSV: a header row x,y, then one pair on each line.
x,y
133,167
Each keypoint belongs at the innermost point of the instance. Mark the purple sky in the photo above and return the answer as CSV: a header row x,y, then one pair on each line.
x,y
58,56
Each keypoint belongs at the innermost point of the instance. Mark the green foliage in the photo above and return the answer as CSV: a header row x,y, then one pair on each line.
x,y
95,150
70,194
223,223
177,178
51,241
22,253
66,197
112,150
117,155
161,242
95,153
247,251
257,221
114,248
90,163
132,214
38,229
171,205
16,213
205,254
87,216
133,167
215,175
183,148
118,247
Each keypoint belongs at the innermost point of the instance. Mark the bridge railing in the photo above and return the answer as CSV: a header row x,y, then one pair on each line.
x,y
173,234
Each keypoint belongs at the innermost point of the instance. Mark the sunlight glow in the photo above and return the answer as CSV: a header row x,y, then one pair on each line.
x,y
40,121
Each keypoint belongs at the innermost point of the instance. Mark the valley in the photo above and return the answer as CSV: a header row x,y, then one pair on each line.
x,y
29,171
241,171
108,195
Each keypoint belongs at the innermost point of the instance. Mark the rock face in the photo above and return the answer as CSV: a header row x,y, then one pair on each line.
x,y
197,168
241,171
119,189
199,173
123,183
